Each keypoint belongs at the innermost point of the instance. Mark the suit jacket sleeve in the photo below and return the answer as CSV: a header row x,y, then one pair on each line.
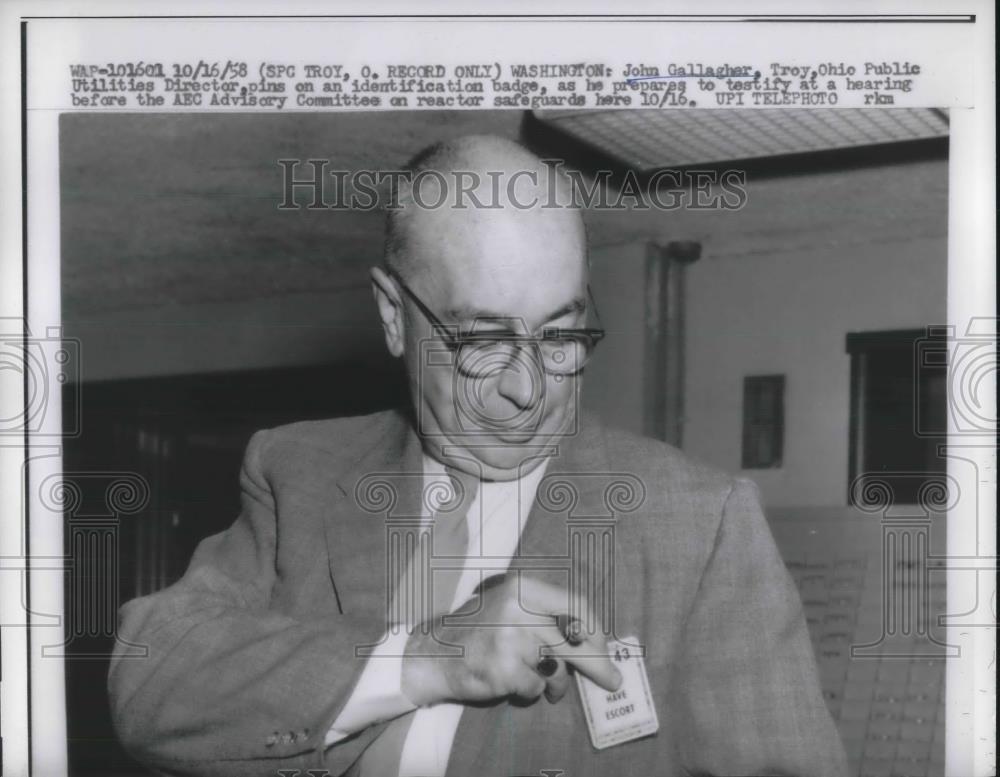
x,y
231,686
749,696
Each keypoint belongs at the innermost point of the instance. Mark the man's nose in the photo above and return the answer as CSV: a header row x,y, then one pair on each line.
x,y
521,381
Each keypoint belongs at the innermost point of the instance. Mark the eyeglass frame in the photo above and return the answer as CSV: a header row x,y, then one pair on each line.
x,y
454,339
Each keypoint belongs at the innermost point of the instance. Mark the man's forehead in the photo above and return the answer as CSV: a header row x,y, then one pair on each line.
x,y
497,252
512,297
492,314
496,239
482,262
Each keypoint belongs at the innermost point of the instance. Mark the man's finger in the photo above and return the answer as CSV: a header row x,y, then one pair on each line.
x,y
530,685
586,658
557,685
548,666
571,628
540,597
573,634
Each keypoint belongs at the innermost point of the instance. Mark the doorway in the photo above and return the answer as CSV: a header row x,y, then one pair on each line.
x,y
898,421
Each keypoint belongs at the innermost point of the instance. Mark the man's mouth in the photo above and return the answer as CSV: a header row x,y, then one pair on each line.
x,y
515,437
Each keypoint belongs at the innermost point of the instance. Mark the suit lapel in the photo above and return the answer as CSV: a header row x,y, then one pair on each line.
x,y
571,492
376,506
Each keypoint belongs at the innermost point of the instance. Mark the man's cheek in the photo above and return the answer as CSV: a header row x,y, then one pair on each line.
x,y
560,397
441,394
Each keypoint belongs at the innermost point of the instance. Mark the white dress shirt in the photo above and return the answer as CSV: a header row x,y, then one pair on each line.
x,y
494,520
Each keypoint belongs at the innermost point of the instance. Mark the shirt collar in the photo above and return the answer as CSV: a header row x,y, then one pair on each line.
x,y
524,487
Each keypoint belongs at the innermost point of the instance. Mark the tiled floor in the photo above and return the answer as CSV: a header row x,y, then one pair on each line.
x,y
871,602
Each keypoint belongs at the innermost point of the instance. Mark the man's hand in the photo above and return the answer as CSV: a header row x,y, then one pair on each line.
x,y
515,627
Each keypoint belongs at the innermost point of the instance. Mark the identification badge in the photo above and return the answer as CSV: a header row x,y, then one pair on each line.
x,y
614,717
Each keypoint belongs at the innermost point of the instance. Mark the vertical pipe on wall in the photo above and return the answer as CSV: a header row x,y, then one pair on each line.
x,y
664,334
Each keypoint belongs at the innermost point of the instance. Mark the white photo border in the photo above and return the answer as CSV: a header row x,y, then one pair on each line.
x,y
31,708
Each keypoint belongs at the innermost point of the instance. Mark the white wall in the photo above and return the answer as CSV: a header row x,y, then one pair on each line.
x,y
613,381
788,312
780,284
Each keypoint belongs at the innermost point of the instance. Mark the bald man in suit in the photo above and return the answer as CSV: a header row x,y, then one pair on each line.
x,y
397,595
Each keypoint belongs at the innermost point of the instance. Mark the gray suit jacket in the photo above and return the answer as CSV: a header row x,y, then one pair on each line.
x,y
253,653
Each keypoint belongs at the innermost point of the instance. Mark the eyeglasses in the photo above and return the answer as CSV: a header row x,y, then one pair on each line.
x,y
480,354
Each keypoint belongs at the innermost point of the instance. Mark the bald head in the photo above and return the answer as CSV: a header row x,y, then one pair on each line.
x,y
480,183
485,239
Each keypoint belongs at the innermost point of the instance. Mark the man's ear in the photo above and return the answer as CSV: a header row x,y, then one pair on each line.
x,y
390,310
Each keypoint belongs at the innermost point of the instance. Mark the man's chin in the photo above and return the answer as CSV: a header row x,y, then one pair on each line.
x,y
491,456
498,453
512,463
509,455
514,438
